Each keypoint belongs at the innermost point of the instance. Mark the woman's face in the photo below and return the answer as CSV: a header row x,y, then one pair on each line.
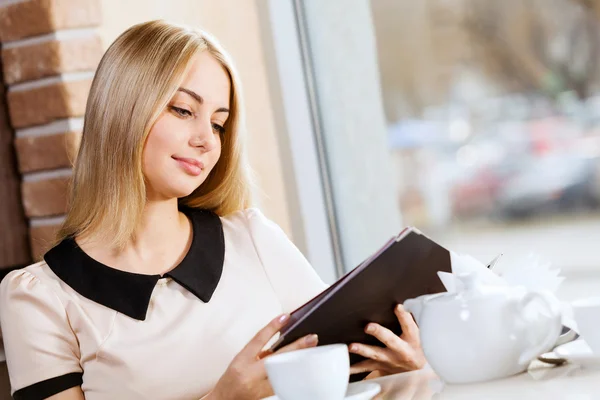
x,y
184,144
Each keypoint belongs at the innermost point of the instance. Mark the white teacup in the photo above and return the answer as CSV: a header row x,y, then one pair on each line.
x,y
587,316
318,373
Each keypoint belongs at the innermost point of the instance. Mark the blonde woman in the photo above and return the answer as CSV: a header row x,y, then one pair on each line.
x,y
162,276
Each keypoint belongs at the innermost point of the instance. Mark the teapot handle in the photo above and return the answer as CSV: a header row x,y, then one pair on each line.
x,y
552,328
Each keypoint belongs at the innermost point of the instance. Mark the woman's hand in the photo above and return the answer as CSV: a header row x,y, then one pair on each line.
x,y
246,377
400,354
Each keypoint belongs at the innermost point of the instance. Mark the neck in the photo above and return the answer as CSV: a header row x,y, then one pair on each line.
x,y
158,245
161,225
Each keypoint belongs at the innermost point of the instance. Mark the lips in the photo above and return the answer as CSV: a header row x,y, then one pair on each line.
x,y
190,165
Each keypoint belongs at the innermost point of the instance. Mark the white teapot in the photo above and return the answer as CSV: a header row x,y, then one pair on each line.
x,y
485,332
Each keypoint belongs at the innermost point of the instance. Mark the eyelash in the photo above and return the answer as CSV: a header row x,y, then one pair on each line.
x,y
220,130
182,112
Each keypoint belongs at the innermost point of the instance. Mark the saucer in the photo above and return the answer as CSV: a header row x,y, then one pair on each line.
x,y
578,352
356,391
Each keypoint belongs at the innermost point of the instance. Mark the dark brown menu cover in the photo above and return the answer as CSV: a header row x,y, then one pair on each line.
x,y
405,267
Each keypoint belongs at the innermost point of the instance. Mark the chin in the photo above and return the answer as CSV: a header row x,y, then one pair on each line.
x,y
173,186
178,189
183,191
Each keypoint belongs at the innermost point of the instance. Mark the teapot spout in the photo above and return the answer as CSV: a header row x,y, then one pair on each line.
x,y
414,306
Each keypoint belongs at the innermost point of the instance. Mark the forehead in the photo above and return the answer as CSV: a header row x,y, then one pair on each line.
x,y
208,78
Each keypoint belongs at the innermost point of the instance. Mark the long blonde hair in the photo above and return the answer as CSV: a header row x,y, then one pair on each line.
x,y
135,80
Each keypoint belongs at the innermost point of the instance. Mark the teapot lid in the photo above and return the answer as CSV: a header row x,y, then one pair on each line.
x,y
469,282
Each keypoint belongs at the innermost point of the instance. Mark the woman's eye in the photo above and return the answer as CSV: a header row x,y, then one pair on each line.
x,y
182,112
218,128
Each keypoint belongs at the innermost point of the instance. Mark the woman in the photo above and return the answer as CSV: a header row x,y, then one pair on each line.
x,y
162,276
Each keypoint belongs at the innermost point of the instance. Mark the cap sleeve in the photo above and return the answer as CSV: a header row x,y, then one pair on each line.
x,y
42,352
292,277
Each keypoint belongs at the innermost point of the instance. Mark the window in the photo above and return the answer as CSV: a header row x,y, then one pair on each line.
x,y
475,121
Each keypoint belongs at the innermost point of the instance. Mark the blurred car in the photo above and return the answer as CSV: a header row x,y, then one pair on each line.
x,y
551,183
475,195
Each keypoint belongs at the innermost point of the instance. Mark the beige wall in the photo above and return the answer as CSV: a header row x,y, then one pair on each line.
x,y
235,24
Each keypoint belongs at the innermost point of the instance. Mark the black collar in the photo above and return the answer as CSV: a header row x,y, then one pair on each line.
x,y
129,293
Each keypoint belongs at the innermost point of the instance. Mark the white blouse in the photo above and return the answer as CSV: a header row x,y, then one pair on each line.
x,y
70,320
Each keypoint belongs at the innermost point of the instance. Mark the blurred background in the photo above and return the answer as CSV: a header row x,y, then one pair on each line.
x,y
490,125
492,120
477,121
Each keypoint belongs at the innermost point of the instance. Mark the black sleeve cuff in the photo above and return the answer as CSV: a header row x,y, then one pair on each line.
x,y
49,387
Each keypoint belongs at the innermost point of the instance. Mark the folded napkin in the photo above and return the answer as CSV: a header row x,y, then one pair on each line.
x,y
529,272
465,264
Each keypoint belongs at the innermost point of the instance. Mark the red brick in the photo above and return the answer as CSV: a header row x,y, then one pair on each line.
x,y
44,198
38,17
41,239
51,58
48,103
37,153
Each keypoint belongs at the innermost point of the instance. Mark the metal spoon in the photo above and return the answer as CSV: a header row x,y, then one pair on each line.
x,y
568,335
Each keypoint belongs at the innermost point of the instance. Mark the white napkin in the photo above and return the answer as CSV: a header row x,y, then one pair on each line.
x,y
532,273
529,272
462,264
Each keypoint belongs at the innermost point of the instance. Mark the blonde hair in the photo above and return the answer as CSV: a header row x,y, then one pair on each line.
x,y
135,80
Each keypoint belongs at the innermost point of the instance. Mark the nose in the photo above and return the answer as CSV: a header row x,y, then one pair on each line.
x,y
203,135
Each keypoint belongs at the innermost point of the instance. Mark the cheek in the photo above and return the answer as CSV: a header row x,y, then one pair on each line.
x,y
161,140
160,137
158,147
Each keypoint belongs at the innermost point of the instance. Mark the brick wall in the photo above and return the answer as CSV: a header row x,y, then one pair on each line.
x,y
50,49
14,233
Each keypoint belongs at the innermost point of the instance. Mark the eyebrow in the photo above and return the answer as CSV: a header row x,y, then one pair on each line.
x,y
200,100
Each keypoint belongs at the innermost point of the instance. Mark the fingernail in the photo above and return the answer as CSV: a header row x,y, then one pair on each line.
x,y
353,347
370,328
283,318
311,340
400,307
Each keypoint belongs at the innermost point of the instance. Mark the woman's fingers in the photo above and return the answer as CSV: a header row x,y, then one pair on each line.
x,y
302,343
254,347
401,353
410,330
364,366
387,337
371,352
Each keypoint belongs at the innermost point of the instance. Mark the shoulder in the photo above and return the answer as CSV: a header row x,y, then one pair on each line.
x,y
40,345
248,218
244,215
251,222
35,280
244,227
38,273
